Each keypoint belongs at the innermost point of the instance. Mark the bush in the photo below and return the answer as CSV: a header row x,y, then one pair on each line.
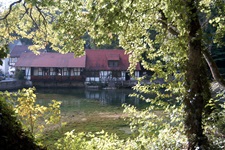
x,y
152,130
12,134
215,127
19,74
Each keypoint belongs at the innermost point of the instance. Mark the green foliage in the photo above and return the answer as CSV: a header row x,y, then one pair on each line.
x,y
215,122
3,52
173,52
13,136
152,129
90,43
72,141
100,140
93,123
33,116
19,74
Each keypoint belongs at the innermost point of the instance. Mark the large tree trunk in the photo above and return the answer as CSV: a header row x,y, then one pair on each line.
x,y
197,87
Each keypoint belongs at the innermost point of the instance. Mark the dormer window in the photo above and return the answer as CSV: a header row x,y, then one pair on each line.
x,y
113,63
113,60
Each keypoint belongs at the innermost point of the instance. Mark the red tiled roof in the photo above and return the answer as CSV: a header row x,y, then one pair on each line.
x,y
98,59
113,57
18,50
50,60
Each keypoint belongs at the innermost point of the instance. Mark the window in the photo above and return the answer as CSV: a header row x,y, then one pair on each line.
x,y
40,71
59,71
116,74
65,71
52,71
76,71
113,63
35,71
46,71
12,61
92,73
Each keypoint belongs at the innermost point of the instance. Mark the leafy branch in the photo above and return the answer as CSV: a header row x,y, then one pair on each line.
x,y
211,63
164,23
28,11
213,68
10,9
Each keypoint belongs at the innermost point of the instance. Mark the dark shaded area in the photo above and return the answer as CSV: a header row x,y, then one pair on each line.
x,y
12,136
218,54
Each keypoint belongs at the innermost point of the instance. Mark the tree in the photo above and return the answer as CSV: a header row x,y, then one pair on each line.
x,y
3,52
31,114
13,136
178,53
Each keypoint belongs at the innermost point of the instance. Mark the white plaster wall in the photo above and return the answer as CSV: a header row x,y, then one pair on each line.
x,y
28,73
5,66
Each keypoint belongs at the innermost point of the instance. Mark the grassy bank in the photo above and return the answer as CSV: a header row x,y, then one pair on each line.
x,y
95,122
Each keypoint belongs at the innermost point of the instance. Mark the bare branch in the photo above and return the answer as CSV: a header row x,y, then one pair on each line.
x,y
213,68
26,10
205,23
39,10
10,9
36,25
163,21
212,65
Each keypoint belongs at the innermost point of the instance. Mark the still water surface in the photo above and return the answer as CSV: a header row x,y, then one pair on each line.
x,y
88,100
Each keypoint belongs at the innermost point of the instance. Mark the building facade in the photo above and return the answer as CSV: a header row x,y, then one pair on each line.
x,y
108,65
5,68
51,67
15,53
102,66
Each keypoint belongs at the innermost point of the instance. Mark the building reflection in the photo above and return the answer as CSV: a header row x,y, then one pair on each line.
x,y
112,97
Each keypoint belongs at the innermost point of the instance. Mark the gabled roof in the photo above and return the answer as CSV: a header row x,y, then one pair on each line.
x,y
98,59
18,50
113,57
50,60
13,44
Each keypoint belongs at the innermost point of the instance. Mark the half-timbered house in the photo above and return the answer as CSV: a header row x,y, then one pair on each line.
x,y
50,67
15,53
96,66
108,65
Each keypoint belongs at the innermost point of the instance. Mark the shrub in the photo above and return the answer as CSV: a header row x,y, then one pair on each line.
x,y
19,74
12,134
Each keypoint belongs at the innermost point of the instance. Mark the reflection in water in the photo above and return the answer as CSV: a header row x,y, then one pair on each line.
x,y
79,98
112,97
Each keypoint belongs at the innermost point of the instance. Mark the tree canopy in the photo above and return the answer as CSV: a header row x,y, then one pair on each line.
x,y
171,38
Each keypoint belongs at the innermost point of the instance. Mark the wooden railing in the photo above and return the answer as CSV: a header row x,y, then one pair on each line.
x,y
57,78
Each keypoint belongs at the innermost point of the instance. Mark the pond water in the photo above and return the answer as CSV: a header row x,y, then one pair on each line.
x,y
88,100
